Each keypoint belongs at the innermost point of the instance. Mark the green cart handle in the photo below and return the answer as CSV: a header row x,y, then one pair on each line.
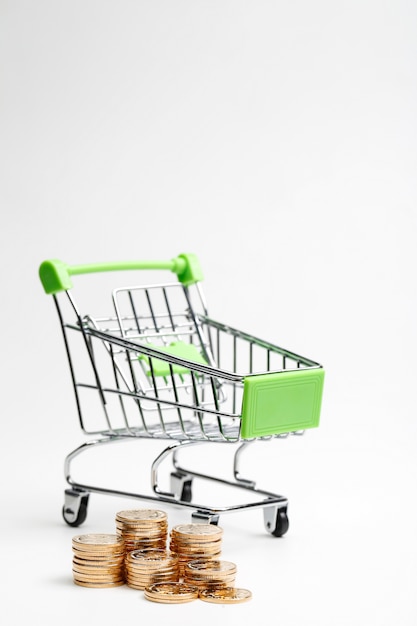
x,y
55,275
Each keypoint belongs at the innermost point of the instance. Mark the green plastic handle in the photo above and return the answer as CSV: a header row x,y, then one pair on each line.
x,y
55,275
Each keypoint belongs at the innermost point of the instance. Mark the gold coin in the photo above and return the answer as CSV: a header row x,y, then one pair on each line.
x,y
151,556
96,570
99,585
229,595
194,541
98,550
99,556
99,562
141,525
146,542
203,567
145,537
133,585
145,574
87,553
171,592
205,532
210,586
196,552
226,581
149,531
99,579
151,572
142,515
94,540
143,584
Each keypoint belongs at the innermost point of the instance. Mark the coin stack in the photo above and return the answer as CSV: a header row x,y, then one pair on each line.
x,y
142,529
195,541
98,560
171,593
145,567
211,574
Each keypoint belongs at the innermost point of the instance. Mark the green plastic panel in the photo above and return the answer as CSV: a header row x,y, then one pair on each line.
x,y
186,351
281,402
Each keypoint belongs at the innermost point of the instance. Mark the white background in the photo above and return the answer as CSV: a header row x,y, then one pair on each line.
x,y
277,141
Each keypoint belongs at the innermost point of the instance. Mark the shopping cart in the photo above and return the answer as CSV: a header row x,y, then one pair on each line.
x,y
157,367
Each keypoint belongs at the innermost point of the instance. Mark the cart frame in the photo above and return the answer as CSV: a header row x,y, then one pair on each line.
x,y
177,388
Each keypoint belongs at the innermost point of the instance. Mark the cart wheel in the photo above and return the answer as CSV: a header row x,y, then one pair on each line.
x,y
187,491
181,484
74,510
281,523
205,517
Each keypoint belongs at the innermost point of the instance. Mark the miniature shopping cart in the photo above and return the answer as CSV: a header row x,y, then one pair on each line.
x,y
157,367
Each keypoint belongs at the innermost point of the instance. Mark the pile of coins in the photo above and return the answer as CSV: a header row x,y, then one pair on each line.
x,y
138,555
195,541
145,567
142,529
212,574
98,560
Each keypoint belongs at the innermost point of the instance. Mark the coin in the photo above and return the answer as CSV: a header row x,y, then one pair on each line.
x,y
205,532
203,549
142,515
149,556
168,575
99,585
100,578
99,557
99,562
229,595
145,535
150,580
202,568
108,571
99,541
171,593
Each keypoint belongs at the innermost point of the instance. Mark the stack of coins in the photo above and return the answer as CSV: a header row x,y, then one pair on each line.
x,y
98,560
195,541
171,593
145,567
211,574
142,529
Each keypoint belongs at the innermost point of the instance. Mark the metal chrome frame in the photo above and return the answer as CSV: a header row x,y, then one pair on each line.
x,y
207,388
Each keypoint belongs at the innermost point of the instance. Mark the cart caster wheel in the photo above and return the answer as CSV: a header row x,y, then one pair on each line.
x,y
74,510
204,517
181,485
276,521
187,492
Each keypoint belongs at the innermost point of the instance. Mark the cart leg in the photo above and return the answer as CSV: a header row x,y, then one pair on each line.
x,y
276,520
74,510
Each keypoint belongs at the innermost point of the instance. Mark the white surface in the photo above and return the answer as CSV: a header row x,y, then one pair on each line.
x,y
278,142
